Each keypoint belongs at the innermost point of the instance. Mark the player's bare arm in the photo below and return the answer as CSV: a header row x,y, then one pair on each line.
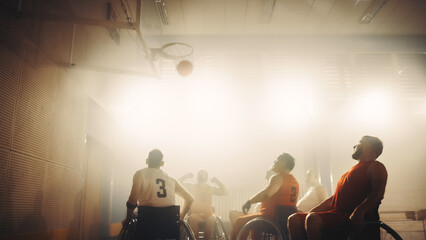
x,y
186,177
378,178
273,187
221,189
132,202
187,197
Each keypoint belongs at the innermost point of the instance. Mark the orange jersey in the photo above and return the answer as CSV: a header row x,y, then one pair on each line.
x,y
285,196
352,188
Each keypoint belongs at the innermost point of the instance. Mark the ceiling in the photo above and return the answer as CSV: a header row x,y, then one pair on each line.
x,y
208,25
252,17
324,17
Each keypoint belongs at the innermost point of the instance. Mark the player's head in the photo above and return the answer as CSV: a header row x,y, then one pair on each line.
x,y
311,176
155,159
202,176
284,163
368,146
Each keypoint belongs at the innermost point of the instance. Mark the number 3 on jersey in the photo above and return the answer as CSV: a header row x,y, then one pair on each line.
x,y
162,184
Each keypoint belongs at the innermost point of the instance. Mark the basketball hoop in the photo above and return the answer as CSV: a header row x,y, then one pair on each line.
x,y
173,51
179,53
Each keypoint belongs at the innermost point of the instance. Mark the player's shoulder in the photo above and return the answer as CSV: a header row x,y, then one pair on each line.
x,y
142,171
276,177
138,173
292,177
377,166
151,171
288,177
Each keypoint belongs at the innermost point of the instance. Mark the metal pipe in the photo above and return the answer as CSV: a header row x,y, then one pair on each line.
x,y
19,10
114,71
140,37
83,21
372,11
72,45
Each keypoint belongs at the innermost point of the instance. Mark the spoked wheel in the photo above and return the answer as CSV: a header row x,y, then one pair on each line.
x,y
219,232
128,232
260,229
386,232
186,232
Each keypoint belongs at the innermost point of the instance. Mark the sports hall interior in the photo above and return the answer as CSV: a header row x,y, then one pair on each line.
x,y
86,91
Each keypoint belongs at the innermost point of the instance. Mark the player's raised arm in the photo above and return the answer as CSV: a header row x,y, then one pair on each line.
x,y
187,197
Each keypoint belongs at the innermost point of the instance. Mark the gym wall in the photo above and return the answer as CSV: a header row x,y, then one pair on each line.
x,y
42,126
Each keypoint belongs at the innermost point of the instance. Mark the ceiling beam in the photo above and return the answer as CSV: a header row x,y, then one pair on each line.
x,y
78,20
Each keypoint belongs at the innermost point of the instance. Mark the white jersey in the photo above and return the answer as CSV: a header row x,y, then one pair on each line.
x,y
157,188
314,196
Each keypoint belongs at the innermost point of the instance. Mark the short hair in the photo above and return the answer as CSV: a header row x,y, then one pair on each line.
x,y
201,171
312,172
155,157
375,143
288,160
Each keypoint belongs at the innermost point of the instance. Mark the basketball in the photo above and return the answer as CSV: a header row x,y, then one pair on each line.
x,y
184,68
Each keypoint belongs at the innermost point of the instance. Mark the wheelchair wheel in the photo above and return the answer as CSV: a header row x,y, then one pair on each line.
x,y
186,232
261,228
128,232
219,232
386,232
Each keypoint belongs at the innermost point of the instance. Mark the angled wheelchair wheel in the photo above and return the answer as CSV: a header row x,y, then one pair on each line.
x,y
186,232
219,232
261,228
386,232
128,232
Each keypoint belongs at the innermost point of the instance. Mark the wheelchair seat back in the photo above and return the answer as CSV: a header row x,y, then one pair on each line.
x,y
281,215
371,232
158,222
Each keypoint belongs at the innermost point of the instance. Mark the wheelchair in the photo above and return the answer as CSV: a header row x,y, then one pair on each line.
x,y
383,232
264,228
157,223
373,230
218,232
